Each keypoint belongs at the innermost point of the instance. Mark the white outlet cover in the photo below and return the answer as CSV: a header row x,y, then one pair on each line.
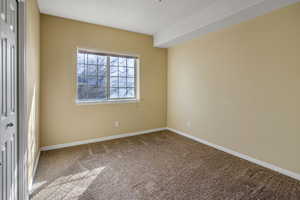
x,y
189,124
117,123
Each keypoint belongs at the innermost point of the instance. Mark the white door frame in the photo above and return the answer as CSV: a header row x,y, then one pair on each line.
x,y
23,189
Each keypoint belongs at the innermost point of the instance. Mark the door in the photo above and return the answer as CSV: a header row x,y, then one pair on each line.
x,y
8,100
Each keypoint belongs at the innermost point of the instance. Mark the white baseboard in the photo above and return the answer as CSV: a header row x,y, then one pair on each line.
x,y
237,154
240,155
59,146
36,163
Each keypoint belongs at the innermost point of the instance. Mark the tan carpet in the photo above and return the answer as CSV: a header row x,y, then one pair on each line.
x,y
158,166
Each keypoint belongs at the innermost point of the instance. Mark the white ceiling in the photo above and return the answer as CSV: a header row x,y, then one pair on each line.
x,y
142,16
170,21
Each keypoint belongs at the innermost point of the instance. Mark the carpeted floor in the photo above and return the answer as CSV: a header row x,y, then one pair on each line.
x,y
158,166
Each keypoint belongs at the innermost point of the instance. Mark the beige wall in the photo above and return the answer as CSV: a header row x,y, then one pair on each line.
x,y
240,87
62,120
33,81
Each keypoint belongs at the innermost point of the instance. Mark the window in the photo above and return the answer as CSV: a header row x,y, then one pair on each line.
x,y
105,77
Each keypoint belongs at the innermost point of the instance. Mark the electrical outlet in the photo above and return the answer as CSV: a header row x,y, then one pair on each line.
x,y
189,124
117,123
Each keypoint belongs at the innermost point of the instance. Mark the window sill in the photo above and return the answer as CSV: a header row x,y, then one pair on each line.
x,y
123,101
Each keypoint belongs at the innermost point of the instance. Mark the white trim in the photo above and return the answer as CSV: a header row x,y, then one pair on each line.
x,y
119,101
95,50
240,155
22,103
36,163
59,146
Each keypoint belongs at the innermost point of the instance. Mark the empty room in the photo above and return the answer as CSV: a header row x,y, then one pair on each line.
x,y
150,100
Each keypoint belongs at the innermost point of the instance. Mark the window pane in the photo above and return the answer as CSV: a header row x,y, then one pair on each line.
x,y
102,70
102,60
114,61
82,92
114,82
130,82
96,93
122,93
122,71
80,69
130,92
114,93
130,62
114,71
92,81
80,58
122,82
92,70
102,81
122,62
92,59
81,74
92,77
130,72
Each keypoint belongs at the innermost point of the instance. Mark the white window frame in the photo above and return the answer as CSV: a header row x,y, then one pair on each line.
x,y
108,99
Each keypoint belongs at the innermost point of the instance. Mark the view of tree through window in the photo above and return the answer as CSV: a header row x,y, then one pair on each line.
x,y
105,77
